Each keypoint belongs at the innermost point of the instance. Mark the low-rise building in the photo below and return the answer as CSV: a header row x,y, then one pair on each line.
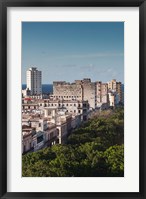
x,y
70,106
27,143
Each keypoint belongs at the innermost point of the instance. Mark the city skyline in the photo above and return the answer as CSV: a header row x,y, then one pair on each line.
x,y
65,51
73,81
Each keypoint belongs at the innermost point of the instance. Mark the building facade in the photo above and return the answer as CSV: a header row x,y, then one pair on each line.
x,y
101,93
95,93
115,86
89,92
67,91
83,90
34,81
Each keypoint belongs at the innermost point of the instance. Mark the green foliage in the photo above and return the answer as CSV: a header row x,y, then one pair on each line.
x,y
94,150
114,157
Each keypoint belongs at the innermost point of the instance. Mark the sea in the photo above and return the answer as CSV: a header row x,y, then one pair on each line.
x,y
46,88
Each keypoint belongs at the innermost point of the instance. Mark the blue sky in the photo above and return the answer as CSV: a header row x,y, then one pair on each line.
x,y
74,50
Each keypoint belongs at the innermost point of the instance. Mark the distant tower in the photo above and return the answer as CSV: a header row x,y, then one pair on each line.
x,y
34,81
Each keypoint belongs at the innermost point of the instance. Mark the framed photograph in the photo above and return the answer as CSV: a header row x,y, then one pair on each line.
x,y
72,99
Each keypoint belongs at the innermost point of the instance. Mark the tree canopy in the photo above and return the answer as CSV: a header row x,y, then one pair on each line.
x,y
96,149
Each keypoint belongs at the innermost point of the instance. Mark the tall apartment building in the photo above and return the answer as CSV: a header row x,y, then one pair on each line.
x,y
34,81
116,87
112,85
89,93
101,93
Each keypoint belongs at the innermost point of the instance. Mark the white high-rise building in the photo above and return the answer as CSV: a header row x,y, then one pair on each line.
x,y
34,81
